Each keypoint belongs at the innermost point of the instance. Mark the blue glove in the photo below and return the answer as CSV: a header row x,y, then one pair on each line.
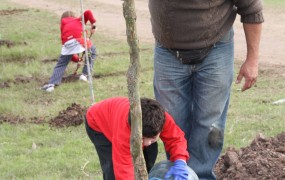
x,y
178,171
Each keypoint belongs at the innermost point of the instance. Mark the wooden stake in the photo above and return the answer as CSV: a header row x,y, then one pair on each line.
x,y
133,91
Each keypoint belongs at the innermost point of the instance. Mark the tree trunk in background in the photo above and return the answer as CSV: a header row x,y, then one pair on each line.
x,y
133,91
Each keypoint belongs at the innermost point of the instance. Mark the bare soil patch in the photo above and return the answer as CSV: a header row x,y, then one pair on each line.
x,y
70,78
12,11
50,60
38,120
21,80
263,159
10,44
7,43
11,119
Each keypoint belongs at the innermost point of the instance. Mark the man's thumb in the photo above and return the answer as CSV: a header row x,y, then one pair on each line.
x,y
239,78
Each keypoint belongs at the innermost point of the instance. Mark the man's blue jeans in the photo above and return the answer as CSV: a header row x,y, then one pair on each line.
x,y
197,96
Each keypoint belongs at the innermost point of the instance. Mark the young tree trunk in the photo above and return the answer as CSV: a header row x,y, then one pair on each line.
x,y
133,91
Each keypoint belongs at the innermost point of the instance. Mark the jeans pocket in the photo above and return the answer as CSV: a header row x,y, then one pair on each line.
x,y
228,37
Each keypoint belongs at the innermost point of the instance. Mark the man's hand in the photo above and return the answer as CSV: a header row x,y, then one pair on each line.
x,y
248,71
178,171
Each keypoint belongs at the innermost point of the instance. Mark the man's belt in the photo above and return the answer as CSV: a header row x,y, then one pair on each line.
x,y
190,57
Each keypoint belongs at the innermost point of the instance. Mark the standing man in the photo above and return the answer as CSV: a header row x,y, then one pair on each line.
x,y
193,68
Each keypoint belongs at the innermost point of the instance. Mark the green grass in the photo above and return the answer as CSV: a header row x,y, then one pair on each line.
x,y
32,41
274,2
62,153
57,154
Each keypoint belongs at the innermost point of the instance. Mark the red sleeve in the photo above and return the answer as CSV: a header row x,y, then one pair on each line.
x,y
88,16
174,140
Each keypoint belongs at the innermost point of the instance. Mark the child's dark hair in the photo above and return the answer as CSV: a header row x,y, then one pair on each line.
x,y
153,117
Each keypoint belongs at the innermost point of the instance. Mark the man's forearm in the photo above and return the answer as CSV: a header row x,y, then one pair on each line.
x,y
252,35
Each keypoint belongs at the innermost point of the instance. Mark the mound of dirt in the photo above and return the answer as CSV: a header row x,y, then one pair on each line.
x,y
263,159
72,116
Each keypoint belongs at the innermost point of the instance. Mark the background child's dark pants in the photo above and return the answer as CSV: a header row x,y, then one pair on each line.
x,y
104,150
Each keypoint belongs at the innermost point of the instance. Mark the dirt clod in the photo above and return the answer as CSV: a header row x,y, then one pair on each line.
x,y
70,78
263,159
7,43
21,80
38,120
72,116
12,11
11,119
10,44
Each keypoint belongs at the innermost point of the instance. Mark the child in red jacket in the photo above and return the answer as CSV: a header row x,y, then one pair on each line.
x,y
72,44
108,126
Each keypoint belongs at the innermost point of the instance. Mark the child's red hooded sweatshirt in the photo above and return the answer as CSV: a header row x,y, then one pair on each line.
x,y
110,117
71,28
